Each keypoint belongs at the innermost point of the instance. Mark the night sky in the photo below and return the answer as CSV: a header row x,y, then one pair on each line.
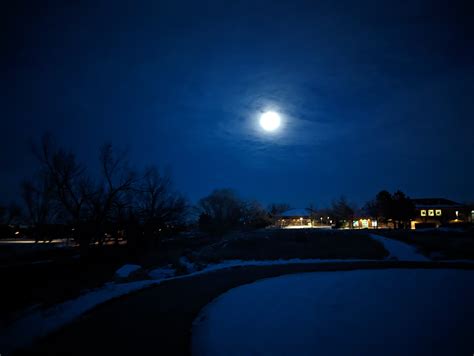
x,y
373,94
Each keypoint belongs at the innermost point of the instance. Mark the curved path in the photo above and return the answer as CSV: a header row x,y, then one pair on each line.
x,y
158,320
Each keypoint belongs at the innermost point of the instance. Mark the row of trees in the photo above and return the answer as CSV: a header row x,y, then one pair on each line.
x,y
62,199
141,205
121,201
395,209
223,210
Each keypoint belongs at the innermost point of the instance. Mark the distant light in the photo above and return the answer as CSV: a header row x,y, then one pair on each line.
x,y
17,233
270,121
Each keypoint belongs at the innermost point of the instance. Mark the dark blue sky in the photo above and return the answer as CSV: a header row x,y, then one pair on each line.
x,y
373,94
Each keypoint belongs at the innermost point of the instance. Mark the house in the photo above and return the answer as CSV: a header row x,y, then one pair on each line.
x,y
296,218
438,211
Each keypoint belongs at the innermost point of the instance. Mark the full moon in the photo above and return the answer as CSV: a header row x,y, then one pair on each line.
x,y
270,121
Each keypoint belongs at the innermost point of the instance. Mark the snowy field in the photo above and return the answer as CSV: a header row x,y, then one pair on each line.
x,y
38,323
370,312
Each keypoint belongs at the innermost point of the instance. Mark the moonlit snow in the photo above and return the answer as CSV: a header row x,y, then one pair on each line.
x,y
399,250
370,312
161,273
126,270
41,322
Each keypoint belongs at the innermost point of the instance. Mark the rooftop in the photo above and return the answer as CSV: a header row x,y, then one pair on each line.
x,y
296,213
435,202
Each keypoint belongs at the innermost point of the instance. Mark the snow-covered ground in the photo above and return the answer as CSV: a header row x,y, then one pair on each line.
x,y
161,273
369,312
399,250
41,322
242,263
126,270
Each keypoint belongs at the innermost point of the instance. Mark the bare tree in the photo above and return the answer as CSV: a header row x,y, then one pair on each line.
x,y
10,214
159,206
38,196
220,211
65,175
42,208
277,209
117,204
106,200
255,215
342,212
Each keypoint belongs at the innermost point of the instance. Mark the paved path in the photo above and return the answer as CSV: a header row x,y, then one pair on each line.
x,y
400,250
158,320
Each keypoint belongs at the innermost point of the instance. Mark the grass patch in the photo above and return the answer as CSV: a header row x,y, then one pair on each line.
x,y
288,244
438,244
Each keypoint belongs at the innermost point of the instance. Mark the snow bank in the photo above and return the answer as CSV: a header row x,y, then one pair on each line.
x,y
399,250
161,273
126,270
190,267
39,323
367,312
193,268
242,263
42,322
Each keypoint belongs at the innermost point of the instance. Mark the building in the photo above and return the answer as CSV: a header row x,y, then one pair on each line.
x,y
364,223
295,218
438,211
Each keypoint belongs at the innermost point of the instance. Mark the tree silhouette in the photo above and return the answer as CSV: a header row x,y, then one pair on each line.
x,y
222,210
397,208
342,211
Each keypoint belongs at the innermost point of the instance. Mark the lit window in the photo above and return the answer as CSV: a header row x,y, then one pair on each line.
x,y
423,213
438,212
430,212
